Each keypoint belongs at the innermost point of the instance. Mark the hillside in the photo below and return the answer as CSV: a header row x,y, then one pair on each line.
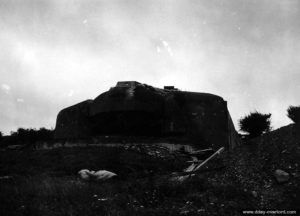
x,y
254,165
45,182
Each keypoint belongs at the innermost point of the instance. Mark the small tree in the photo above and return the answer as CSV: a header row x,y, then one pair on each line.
x,y
293,112
255,124
1,136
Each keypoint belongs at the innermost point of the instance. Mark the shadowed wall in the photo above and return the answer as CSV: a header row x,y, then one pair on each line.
x,y
134,109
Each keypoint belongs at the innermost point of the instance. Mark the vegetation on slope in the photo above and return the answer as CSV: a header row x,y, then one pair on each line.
x,y
45,181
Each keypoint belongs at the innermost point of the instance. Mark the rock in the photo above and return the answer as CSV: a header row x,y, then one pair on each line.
x,y
232,204
254,194
281,176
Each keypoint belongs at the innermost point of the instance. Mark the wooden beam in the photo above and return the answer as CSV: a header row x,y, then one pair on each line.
x,y
203,150
208,159
195,161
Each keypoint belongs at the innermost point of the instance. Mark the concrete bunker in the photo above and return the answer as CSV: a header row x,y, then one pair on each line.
x,y
134,109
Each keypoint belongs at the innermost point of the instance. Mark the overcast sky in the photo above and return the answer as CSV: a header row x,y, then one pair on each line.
x,y
57,53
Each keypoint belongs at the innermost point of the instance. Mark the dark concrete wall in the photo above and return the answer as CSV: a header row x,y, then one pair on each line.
x,y
128,99
128,111
199,118
74,122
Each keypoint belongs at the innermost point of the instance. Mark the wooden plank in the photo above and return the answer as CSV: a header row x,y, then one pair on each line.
x,y
195,161
201,151
190,168
194,168
199,171
209,158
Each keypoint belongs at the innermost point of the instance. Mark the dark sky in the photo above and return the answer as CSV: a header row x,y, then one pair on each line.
x,y
55,53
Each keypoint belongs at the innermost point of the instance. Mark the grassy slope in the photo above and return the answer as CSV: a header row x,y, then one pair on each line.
x,y
45,182
68,161
255,162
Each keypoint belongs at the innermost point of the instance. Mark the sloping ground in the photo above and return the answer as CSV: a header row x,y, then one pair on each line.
x,y
254,164
44,182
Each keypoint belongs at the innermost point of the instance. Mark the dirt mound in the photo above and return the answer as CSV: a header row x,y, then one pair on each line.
x,y
280,149
254,165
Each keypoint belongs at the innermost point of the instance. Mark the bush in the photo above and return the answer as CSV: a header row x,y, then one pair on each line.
x,y
293,112
29,136
255,124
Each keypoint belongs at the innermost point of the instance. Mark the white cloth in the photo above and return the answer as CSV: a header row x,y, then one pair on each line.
x,y
100,175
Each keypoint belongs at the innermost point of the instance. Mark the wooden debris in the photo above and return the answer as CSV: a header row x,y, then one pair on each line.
x,y
195,161
194,168
209,158
190,168
202,151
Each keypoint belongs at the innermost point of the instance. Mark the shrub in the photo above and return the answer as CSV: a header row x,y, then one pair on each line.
x,y
29,136
255,124
293,112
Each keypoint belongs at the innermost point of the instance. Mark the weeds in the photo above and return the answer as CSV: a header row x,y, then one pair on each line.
x,y
45,183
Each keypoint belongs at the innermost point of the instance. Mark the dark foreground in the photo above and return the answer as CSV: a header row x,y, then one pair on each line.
x,y
44,182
